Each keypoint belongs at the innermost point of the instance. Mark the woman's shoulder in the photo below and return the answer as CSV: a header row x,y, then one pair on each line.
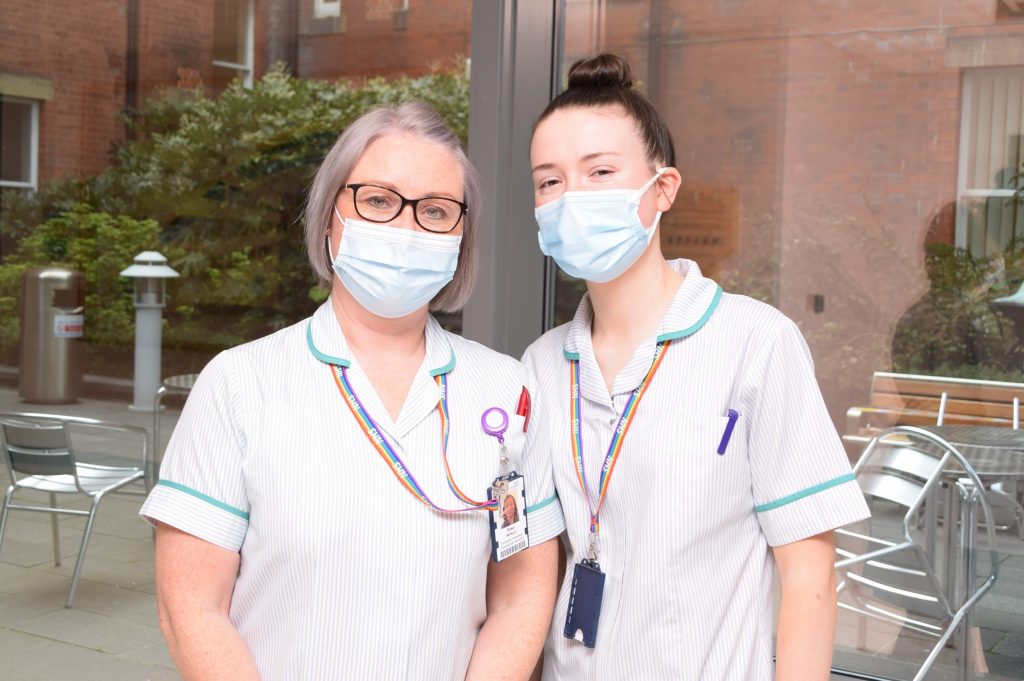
x,y
273,347
278,350
549,347
484,359
758,326
739,309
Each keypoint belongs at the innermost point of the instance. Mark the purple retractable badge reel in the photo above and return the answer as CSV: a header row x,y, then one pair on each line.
x,y
494,421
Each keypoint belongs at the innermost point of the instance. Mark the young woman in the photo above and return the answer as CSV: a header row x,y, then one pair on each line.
x,y
323,508
693,454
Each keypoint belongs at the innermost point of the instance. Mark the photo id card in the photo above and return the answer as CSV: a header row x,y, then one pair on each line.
x,y
509,531
585,603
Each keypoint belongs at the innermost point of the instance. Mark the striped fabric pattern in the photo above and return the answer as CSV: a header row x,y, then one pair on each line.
x,y
344,574
685,532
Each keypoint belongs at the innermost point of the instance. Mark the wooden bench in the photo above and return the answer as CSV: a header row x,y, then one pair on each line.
x,y
907,399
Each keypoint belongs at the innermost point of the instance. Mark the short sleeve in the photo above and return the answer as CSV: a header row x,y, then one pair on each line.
x,y
201,488
543,509
802,481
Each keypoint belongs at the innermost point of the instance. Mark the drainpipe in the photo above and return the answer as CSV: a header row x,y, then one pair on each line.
x,y
131,71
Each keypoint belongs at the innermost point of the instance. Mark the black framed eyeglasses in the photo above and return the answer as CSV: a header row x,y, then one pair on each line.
x,y
379,204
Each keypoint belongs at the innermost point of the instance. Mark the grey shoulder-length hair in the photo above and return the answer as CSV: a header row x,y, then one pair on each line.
x,y
417,118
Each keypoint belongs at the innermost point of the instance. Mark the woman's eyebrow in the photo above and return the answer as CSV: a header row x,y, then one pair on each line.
x,y
584,159
393,187
598,154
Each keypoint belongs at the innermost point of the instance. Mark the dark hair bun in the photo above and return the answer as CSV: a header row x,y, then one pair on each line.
x,y
604,70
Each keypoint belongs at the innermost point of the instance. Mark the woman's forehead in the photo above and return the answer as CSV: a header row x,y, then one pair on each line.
x,y
571,134
411,163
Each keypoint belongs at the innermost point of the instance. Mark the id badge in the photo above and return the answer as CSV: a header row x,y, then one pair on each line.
x,y
585,603
509,531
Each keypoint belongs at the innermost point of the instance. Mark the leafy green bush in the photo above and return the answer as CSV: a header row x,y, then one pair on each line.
x,y
98,245
225,180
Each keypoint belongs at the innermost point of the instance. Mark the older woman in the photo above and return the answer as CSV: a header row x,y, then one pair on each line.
x,y
328,502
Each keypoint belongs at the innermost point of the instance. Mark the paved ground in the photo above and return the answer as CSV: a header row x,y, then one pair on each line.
x,y
112,632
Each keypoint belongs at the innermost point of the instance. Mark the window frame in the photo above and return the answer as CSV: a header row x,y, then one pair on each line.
x,y
326,9
33,168
963,193
248,68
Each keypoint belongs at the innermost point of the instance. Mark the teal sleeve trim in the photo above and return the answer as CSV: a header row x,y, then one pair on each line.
x,y
319,355
797,496
689,331
208,499
447,367
541,504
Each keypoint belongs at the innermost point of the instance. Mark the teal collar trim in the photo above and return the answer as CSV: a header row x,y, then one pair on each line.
x,y
797,496
673,335
327,359
447,367
571,356
204,497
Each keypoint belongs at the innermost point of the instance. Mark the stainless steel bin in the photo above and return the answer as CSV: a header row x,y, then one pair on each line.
x,y
52,323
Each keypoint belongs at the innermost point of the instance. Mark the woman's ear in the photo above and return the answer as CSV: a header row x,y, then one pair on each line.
x,y
668,186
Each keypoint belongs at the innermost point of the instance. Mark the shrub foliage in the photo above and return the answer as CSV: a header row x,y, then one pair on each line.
x,y
215,184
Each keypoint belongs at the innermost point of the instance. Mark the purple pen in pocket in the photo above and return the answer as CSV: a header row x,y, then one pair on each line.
x,y
733,415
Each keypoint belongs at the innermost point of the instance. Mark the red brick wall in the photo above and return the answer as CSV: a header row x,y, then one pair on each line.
x,y
436,34
174,35
81,48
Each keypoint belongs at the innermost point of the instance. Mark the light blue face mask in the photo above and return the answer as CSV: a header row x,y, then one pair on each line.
x,y
393,272
595,235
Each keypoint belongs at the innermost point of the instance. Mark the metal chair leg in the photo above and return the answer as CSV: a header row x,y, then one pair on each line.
x,y
56,530
81,553
3,513
153,470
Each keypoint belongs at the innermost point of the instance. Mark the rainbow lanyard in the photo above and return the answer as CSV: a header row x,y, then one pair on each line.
x,y
615,447
376,437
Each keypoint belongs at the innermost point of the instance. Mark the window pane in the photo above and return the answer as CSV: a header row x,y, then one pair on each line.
x,y
224,76
991,223
995,114
16,131
229,41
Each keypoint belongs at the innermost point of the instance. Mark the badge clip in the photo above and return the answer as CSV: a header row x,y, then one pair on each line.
x,y
494,421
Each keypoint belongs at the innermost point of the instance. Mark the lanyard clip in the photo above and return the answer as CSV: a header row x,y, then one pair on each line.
x,y
592,548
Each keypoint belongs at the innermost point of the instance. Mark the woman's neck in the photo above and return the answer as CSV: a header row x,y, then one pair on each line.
x,y
389,350
368,334
629,308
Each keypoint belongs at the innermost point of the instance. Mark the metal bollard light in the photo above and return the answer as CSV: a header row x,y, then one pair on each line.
x,y
150,272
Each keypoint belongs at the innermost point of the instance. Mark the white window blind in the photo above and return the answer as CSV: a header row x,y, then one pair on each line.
x,y
989,214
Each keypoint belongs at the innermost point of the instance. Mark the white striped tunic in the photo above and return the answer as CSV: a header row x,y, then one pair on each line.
x,y
685,532
344,573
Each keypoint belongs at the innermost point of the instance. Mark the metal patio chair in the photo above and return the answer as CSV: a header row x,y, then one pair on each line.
x,y
893,577
41,456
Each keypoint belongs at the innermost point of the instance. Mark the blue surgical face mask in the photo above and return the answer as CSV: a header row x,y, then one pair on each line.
x,y
596,235
393,272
